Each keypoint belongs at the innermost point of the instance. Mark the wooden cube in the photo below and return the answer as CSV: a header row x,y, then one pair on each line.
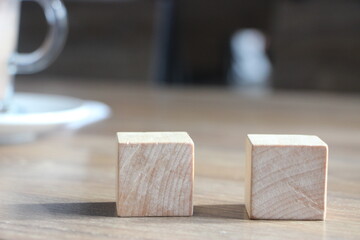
x,y
286,177
155,174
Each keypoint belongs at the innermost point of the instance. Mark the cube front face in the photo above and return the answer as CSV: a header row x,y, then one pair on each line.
x,y
155,179
286,181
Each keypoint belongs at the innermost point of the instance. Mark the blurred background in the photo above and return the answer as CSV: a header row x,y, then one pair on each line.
x,y
284,44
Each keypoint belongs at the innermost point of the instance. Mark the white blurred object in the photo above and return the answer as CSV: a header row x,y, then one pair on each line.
x,y
250,65
34,114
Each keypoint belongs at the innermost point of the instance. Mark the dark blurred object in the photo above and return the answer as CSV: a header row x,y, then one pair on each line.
x,y
316,45
195,49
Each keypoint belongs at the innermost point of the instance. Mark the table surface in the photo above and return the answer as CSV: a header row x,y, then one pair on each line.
x,y
63,185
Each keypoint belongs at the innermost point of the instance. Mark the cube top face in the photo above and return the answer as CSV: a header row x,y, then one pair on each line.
x,y
285,140
286,177
153,137
155,174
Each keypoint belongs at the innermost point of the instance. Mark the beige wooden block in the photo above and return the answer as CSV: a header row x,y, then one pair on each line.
x,y
286,177
155,174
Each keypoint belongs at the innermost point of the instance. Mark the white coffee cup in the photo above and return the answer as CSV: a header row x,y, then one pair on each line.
x,y
11,62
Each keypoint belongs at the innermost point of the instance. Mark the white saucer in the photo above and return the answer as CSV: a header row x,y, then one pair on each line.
x,y
33,114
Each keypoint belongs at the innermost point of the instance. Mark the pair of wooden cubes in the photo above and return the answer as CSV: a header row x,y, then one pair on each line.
x,y
285,175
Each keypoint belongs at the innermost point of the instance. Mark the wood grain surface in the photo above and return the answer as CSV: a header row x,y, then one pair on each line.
x,y
62,186
285,177
155,174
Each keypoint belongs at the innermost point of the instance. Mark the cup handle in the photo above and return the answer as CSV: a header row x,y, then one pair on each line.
x,y
56,17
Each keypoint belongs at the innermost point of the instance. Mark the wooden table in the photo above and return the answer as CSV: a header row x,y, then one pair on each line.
x,y
63,185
